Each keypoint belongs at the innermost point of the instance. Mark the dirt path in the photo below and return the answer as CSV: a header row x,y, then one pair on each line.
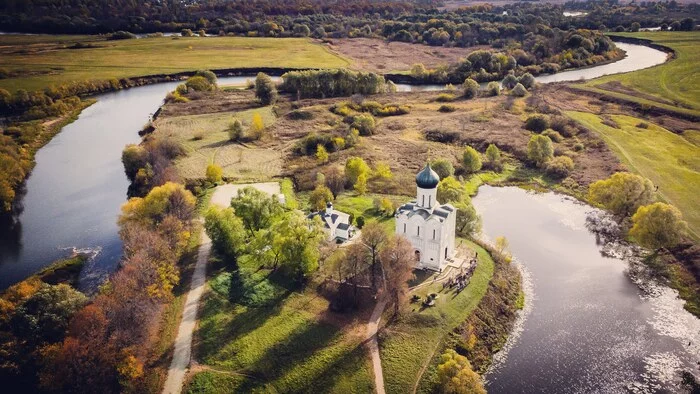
x,y
183,342
372,327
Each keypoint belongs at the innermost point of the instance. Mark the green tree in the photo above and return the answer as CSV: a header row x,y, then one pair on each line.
x,y
214,173
44,317
299,241
471,88
471,160
320,196
360,221
225,230
493,157
468,222
450,190
456,376
623,193
354,168
658,225
442,167
527,80
209,75
493,88
510,81
257,209
539,149
265,90
321,153
235,130
199,84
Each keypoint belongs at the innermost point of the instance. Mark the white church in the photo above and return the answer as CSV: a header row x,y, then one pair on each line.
x,y
429,225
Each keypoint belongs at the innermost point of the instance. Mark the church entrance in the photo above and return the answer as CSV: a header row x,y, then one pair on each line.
x,y
417,256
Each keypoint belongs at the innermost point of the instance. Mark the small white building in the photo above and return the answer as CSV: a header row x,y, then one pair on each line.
x,y
429,225
336,223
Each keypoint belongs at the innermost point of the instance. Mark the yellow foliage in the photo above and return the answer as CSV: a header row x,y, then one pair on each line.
x,y
22,290
321,153
257,126
155,205
214,173
383,171
361,184
129,368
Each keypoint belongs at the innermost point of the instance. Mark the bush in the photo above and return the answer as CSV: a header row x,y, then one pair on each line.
x,y
537,123
471,88
539,149
493,89
527,80
560,167
214,173
471,160
235,130
519,90
298,114
198,135
187,33
360,221
442,167
553,135
447,108
199,84
445,98
121,35
265,90
209,75
643,125
364,123
578,147
510,81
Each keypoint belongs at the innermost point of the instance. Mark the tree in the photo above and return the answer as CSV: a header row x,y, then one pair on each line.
x,y
382,171
199,84
658,225
226,231
354,168
539,149
385,206
501,244
471,88
335,180
361,184
168,199
257,126
321,153
450,190
510,81
560,167
635,26
299,241
265,90
468,222
442,167
44,317
235,130
209,75
372,237
214,173
537,123
319,197
397,260
134,157
418,70
687,24
355,260
493,157
527,80
456,375
623,193
360,222
255,208
519,90
471,160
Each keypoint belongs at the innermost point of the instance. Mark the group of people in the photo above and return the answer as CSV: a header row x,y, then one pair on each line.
x,y
461,280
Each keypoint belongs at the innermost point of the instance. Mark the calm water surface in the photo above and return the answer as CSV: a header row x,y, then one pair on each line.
x,y
587,327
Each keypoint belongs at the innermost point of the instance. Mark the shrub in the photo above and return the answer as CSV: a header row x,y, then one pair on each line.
x,y
578,147
321,153
447,108
493,89
364,123
360,221
658,225
198,135
493,157
643,125
560,167
235,130
471,88
553,135
300,115
442,167
537,123
121,35
445,98
519,90
187,33
510,81
527,80
539,149
471,160
622,193
265,90
214,173
209,75
199,84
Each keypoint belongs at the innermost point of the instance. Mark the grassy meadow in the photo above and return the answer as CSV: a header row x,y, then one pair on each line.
x,y
36,62
670,160
674,85
407,346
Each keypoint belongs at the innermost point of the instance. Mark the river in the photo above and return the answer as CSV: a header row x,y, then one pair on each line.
x,y
74,193
587,328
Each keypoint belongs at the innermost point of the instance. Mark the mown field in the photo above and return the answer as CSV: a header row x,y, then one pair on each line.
x,y
670,160
36,62
674,85
407,346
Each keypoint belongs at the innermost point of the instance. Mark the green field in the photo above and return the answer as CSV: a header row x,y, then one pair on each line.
x,y
670,160
278,341
407,346
674,85
42,61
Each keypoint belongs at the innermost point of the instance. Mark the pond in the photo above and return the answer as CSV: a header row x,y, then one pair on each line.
x,y
587,327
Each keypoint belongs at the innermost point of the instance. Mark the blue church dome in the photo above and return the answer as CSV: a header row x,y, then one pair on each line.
x,y
427,178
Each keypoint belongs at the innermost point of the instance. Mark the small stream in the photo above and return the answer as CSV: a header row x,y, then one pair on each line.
x,y
587,327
